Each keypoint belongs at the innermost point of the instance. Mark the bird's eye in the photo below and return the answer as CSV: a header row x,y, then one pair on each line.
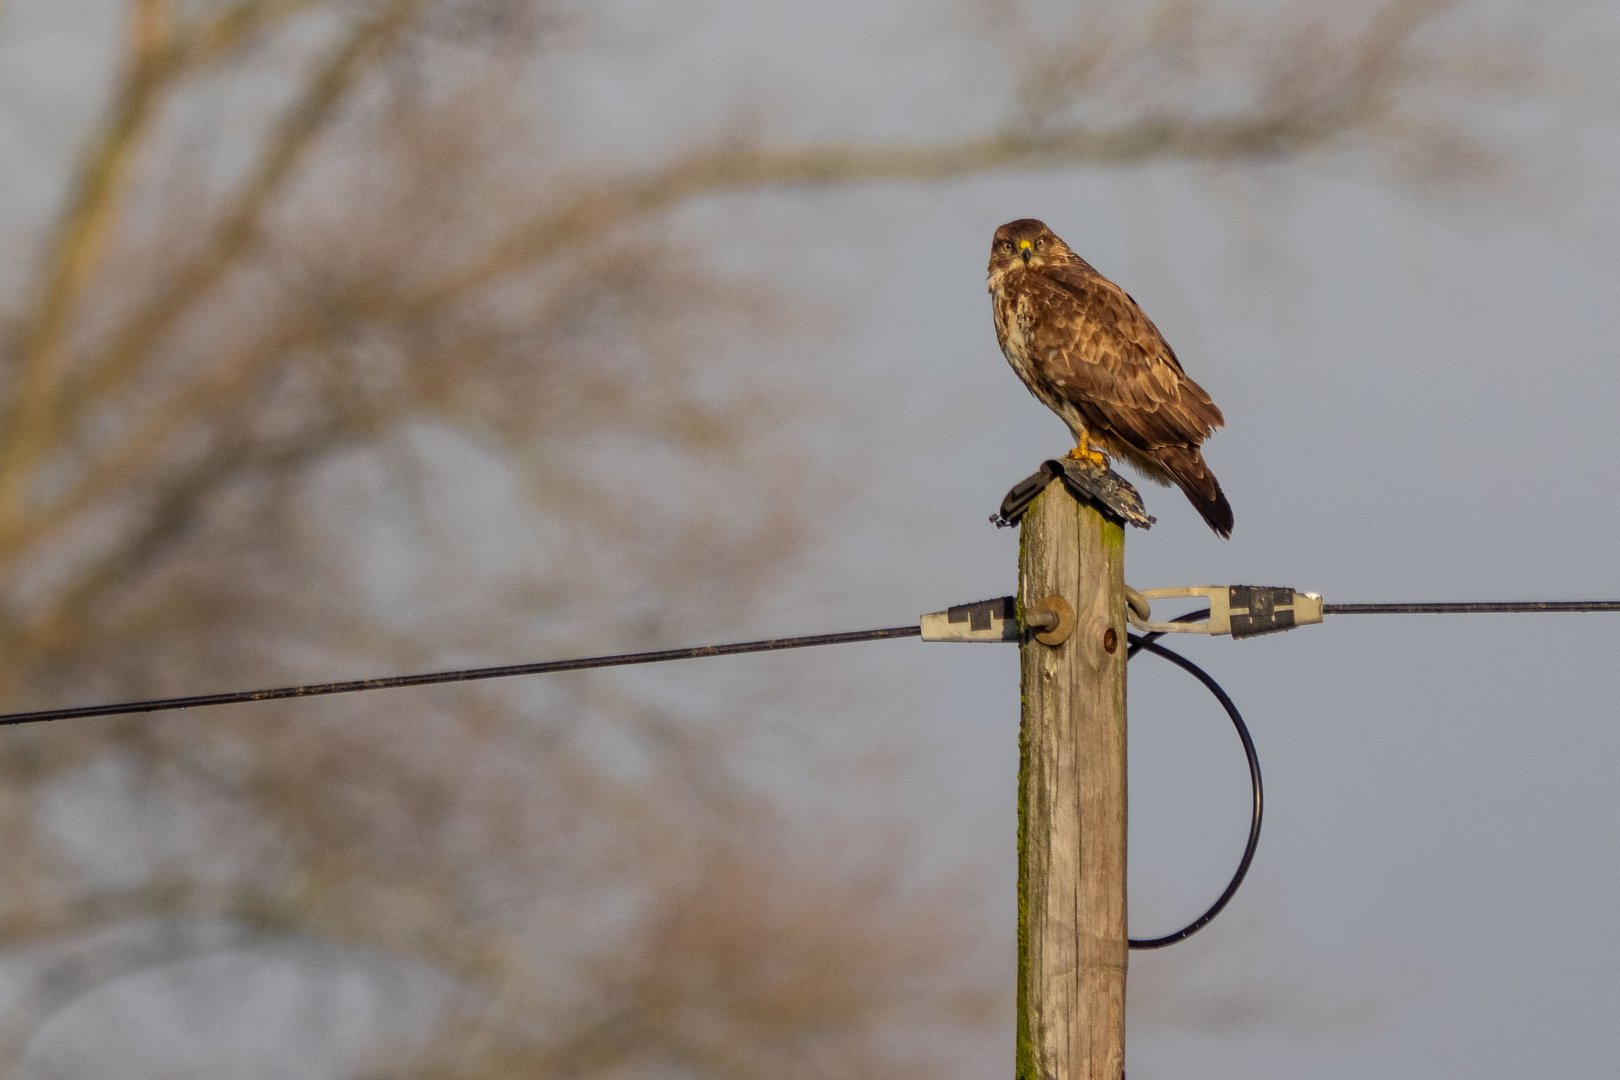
x,y
1039,244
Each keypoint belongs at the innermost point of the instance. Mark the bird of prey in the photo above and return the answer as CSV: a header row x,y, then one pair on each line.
x,y
1086,351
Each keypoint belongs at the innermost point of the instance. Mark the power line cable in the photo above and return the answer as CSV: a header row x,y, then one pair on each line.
x,y
1488,608
1138,643
1149,642
433,678
624,659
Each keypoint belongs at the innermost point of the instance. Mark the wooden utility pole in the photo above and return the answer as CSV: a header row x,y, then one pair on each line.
x,y
1071,793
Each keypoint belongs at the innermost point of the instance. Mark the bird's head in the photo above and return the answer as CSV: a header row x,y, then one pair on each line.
x,y
1026,244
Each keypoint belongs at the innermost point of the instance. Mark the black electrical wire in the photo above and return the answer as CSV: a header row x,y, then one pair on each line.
x,y
464,675
1150,643
769,645
1138,643
1488,608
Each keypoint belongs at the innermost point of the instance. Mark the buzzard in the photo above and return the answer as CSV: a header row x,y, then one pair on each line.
x,y
1086,351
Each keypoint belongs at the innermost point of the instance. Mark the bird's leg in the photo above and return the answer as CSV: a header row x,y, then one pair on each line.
x,y
1084,451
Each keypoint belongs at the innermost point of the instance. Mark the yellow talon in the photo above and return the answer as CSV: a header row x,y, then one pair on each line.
x,y
1089,454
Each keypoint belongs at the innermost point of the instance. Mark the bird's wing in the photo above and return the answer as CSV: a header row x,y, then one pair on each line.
x,y
1101,351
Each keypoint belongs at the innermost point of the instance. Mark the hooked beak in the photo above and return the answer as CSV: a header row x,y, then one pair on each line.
x,y
1025,251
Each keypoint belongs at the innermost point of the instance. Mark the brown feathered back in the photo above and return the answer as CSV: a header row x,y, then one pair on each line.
x,y
1087,352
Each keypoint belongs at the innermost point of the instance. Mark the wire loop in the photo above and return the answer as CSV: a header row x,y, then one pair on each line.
x,y
1149,642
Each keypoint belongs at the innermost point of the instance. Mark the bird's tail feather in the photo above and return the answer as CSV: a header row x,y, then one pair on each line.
x,y
1186,466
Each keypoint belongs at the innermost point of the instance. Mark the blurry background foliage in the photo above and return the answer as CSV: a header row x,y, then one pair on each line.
x,y
357,342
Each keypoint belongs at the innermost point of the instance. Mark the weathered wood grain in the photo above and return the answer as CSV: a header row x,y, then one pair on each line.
x,y
1071,811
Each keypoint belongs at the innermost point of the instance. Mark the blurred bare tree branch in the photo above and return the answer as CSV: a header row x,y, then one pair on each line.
x,y
314,251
